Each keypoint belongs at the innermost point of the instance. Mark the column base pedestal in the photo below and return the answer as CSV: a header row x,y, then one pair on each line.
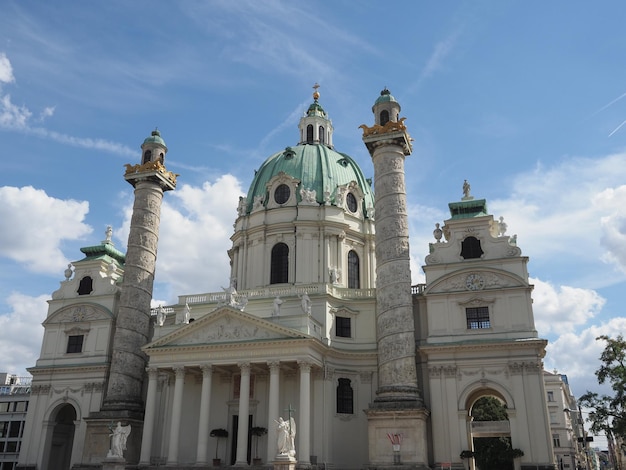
x,y
410,423
284,462
114,463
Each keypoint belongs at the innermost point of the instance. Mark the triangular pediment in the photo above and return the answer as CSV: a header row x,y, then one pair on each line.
x,y
475,280
81,312
225,325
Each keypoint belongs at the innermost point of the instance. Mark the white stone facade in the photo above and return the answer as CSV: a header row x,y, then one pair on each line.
x,y
302,331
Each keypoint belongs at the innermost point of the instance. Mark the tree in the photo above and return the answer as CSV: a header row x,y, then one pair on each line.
x,y
608,413
218,434
257,432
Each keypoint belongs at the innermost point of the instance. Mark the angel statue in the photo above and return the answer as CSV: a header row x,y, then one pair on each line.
x,y
286,437
118,437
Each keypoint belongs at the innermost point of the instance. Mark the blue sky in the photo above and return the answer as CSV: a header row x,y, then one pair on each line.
x,y
524,99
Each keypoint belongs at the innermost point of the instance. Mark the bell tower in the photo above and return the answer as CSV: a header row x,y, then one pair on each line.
x,y
398,408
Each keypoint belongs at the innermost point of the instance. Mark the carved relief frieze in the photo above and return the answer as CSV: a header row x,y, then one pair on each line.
x,y
227,328
517,368
472,281
482,372
40,389
91,387
80,313
449,371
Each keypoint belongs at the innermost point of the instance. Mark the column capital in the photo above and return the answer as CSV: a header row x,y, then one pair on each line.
x,y
207,369
179,371
153,372
305,366
244,367
274,366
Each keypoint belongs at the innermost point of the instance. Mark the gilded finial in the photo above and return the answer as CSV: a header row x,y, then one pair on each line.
x,y
316,94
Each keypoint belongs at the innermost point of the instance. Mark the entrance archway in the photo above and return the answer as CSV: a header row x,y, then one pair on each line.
x,y
62,439
490,432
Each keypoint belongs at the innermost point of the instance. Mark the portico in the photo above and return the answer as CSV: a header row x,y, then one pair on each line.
x,y
260,380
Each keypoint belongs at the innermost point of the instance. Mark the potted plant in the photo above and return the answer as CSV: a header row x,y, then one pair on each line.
x,y
257,432
218,434
465,455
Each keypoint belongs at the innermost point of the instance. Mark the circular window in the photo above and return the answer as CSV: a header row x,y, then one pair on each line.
x,y
282,193
351,202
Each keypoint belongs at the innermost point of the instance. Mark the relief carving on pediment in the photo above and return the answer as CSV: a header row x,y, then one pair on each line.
x,y
227,328
80,313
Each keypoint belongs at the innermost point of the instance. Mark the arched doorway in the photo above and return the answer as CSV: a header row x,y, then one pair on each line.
x,y
62,438
490,432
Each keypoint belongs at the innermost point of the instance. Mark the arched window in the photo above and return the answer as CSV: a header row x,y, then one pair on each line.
x,y
85,286
345,397
384,117
309,133
279,264
470,248
354,281
321,132
147,155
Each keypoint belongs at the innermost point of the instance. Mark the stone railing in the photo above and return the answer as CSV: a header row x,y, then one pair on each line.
x,y
278,291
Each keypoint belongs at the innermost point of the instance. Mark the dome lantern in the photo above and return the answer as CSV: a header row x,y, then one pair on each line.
x,y
315,127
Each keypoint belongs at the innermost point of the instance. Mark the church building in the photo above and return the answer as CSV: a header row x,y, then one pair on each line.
x,y
319,353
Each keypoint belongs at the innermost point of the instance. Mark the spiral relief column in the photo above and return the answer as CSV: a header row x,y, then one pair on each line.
x,y
123,400
398,407
150,179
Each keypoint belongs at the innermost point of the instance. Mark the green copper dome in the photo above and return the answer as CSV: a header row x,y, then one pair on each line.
x,y
386,97
318,168
155,138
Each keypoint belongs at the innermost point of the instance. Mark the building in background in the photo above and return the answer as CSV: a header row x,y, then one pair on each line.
x,y
318,322
14,398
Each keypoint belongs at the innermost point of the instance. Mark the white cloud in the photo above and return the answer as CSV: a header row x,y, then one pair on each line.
x,y
573,207
35,225
46,113
613,225
560,310
17,118
12,116
21,332
6,71
577,355
194,236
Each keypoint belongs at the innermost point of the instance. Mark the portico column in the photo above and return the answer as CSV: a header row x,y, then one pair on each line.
x,y
203,423
303,451
272,409
148,422
244,410
177,407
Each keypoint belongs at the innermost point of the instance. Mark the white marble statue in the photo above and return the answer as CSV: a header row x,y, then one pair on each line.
x,y
118,436
466,191
502,226
306,303
309,196
160,315
276,309
286,437
186,314
108,234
